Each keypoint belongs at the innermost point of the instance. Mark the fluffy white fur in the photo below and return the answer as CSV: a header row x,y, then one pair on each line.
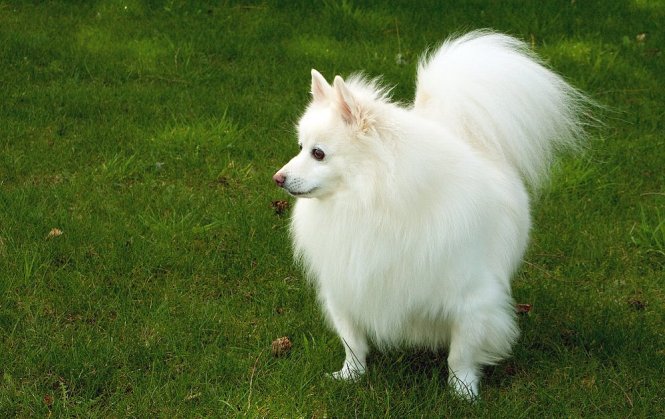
x,y
415,219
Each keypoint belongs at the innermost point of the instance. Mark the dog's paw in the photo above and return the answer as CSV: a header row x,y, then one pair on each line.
x,y
466,389
348,373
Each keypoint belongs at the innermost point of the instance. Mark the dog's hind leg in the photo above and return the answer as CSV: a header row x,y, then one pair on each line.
x,y
463,369
480,336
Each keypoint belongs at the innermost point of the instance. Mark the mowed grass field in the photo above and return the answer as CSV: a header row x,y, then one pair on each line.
x,y
144,271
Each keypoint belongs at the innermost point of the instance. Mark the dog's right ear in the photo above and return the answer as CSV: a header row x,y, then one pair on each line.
x,y
321,90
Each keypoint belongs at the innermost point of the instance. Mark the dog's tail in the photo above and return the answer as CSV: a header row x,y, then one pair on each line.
x,y
496,93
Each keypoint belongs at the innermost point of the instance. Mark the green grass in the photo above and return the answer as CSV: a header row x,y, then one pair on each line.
x,y
147,133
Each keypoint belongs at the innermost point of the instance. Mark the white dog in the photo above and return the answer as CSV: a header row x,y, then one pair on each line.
x,y
412,220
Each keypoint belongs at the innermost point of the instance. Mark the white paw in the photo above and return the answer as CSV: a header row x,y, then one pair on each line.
x,y
349,373
465,388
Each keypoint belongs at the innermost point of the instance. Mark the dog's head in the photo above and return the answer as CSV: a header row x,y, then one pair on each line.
x,y
328,136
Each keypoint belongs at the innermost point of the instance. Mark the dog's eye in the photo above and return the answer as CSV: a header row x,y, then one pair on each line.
x,y
318,154
299,146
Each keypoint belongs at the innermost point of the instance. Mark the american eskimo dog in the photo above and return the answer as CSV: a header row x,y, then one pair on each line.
x,y
411,220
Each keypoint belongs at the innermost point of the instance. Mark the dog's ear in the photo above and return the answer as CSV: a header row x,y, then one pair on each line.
x,y
321,90
346,101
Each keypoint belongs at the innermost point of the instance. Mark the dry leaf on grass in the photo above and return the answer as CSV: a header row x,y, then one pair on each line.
x,y
192,396
637,304
280,206
523,308
55,232
281,346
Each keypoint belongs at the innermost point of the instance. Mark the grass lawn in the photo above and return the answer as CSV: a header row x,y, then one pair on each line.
x,y
144,272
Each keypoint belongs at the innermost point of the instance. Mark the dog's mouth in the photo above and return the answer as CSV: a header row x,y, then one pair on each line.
x,y
299,194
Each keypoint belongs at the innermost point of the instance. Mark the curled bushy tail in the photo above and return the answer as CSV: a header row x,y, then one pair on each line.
x,y
496,93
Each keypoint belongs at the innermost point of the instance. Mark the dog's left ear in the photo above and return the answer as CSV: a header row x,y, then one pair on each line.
x,y
347,103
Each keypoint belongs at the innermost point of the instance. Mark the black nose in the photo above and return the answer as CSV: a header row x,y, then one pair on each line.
x,y
279,179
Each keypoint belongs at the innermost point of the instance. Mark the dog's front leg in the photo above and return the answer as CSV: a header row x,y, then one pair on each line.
x,y
355,346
